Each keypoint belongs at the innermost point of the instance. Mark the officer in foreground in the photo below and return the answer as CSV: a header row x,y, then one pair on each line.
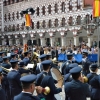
x,y
44,79
94,81
77,89
28,86
2,93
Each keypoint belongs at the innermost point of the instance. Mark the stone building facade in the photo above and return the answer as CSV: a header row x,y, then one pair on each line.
x,y
61,21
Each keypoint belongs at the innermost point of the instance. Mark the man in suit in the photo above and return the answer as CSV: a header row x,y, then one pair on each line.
x,y
14,79
2,92
44,79
85,63
26,59
77,89
28,86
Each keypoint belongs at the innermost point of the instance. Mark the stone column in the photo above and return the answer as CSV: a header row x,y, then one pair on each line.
x,y
52,40
90,39
10,41
63,41
43,43
17,41
76,40
24,41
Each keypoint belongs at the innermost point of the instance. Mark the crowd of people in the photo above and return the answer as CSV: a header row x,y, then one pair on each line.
x,y
17,82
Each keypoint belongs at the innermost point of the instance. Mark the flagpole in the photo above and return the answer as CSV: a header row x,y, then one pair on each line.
x,y
98,41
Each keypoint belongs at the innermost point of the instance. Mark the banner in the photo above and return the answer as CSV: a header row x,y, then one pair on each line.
x,y
96,8
28,20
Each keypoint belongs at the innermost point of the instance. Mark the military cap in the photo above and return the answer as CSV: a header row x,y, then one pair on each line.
x,y
75,70
73,65
13,54
42,56
85,52
28,78
26,53
70,54
6,57
21,63
46,62
13,61
93,66
1,53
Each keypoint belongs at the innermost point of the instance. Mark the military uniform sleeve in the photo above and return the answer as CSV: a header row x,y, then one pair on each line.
x,y
52,87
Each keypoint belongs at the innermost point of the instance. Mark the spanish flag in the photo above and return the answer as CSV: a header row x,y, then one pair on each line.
x,y
96,8
28,20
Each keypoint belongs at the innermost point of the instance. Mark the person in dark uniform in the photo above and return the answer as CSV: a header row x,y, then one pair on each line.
x,y
44,79
28,86
68,77
6,63
1,57
5,83
14,79
26,59
77,89
94,70
2,92
39,65
85,63
22,69
13,56
65,66
94,81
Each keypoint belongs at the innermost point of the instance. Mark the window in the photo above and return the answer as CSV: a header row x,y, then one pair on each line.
x,y
63,6
87,19
49,24
13,16
70,22
78,4
5,17
38,11
17,15
43,10
9,16
63,22
70,5
32,25
17,27
56,22
38,25
49,9
78,20
56,8
43,24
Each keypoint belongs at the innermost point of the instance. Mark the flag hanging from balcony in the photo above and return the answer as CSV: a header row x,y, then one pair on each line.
x,y
96,8
28,20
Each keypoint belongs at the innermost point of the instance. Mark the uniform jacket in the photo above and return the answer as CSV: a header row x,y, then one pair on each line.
x,y
26,61
14,82
47,80
86,63
5,65
95,87
25,96
2,94
76,90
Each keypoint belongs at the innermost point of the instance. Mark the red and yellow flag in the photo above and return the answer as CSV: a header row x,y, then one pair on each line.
x,y
28,20
96,8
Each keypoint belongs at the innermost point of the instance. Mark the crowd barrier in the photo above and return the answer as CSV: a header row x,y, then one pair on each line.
x,y
78,57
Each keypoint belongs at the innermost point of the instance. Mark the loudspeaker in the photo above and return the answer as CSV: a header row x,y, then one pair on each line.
x,y
29,42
